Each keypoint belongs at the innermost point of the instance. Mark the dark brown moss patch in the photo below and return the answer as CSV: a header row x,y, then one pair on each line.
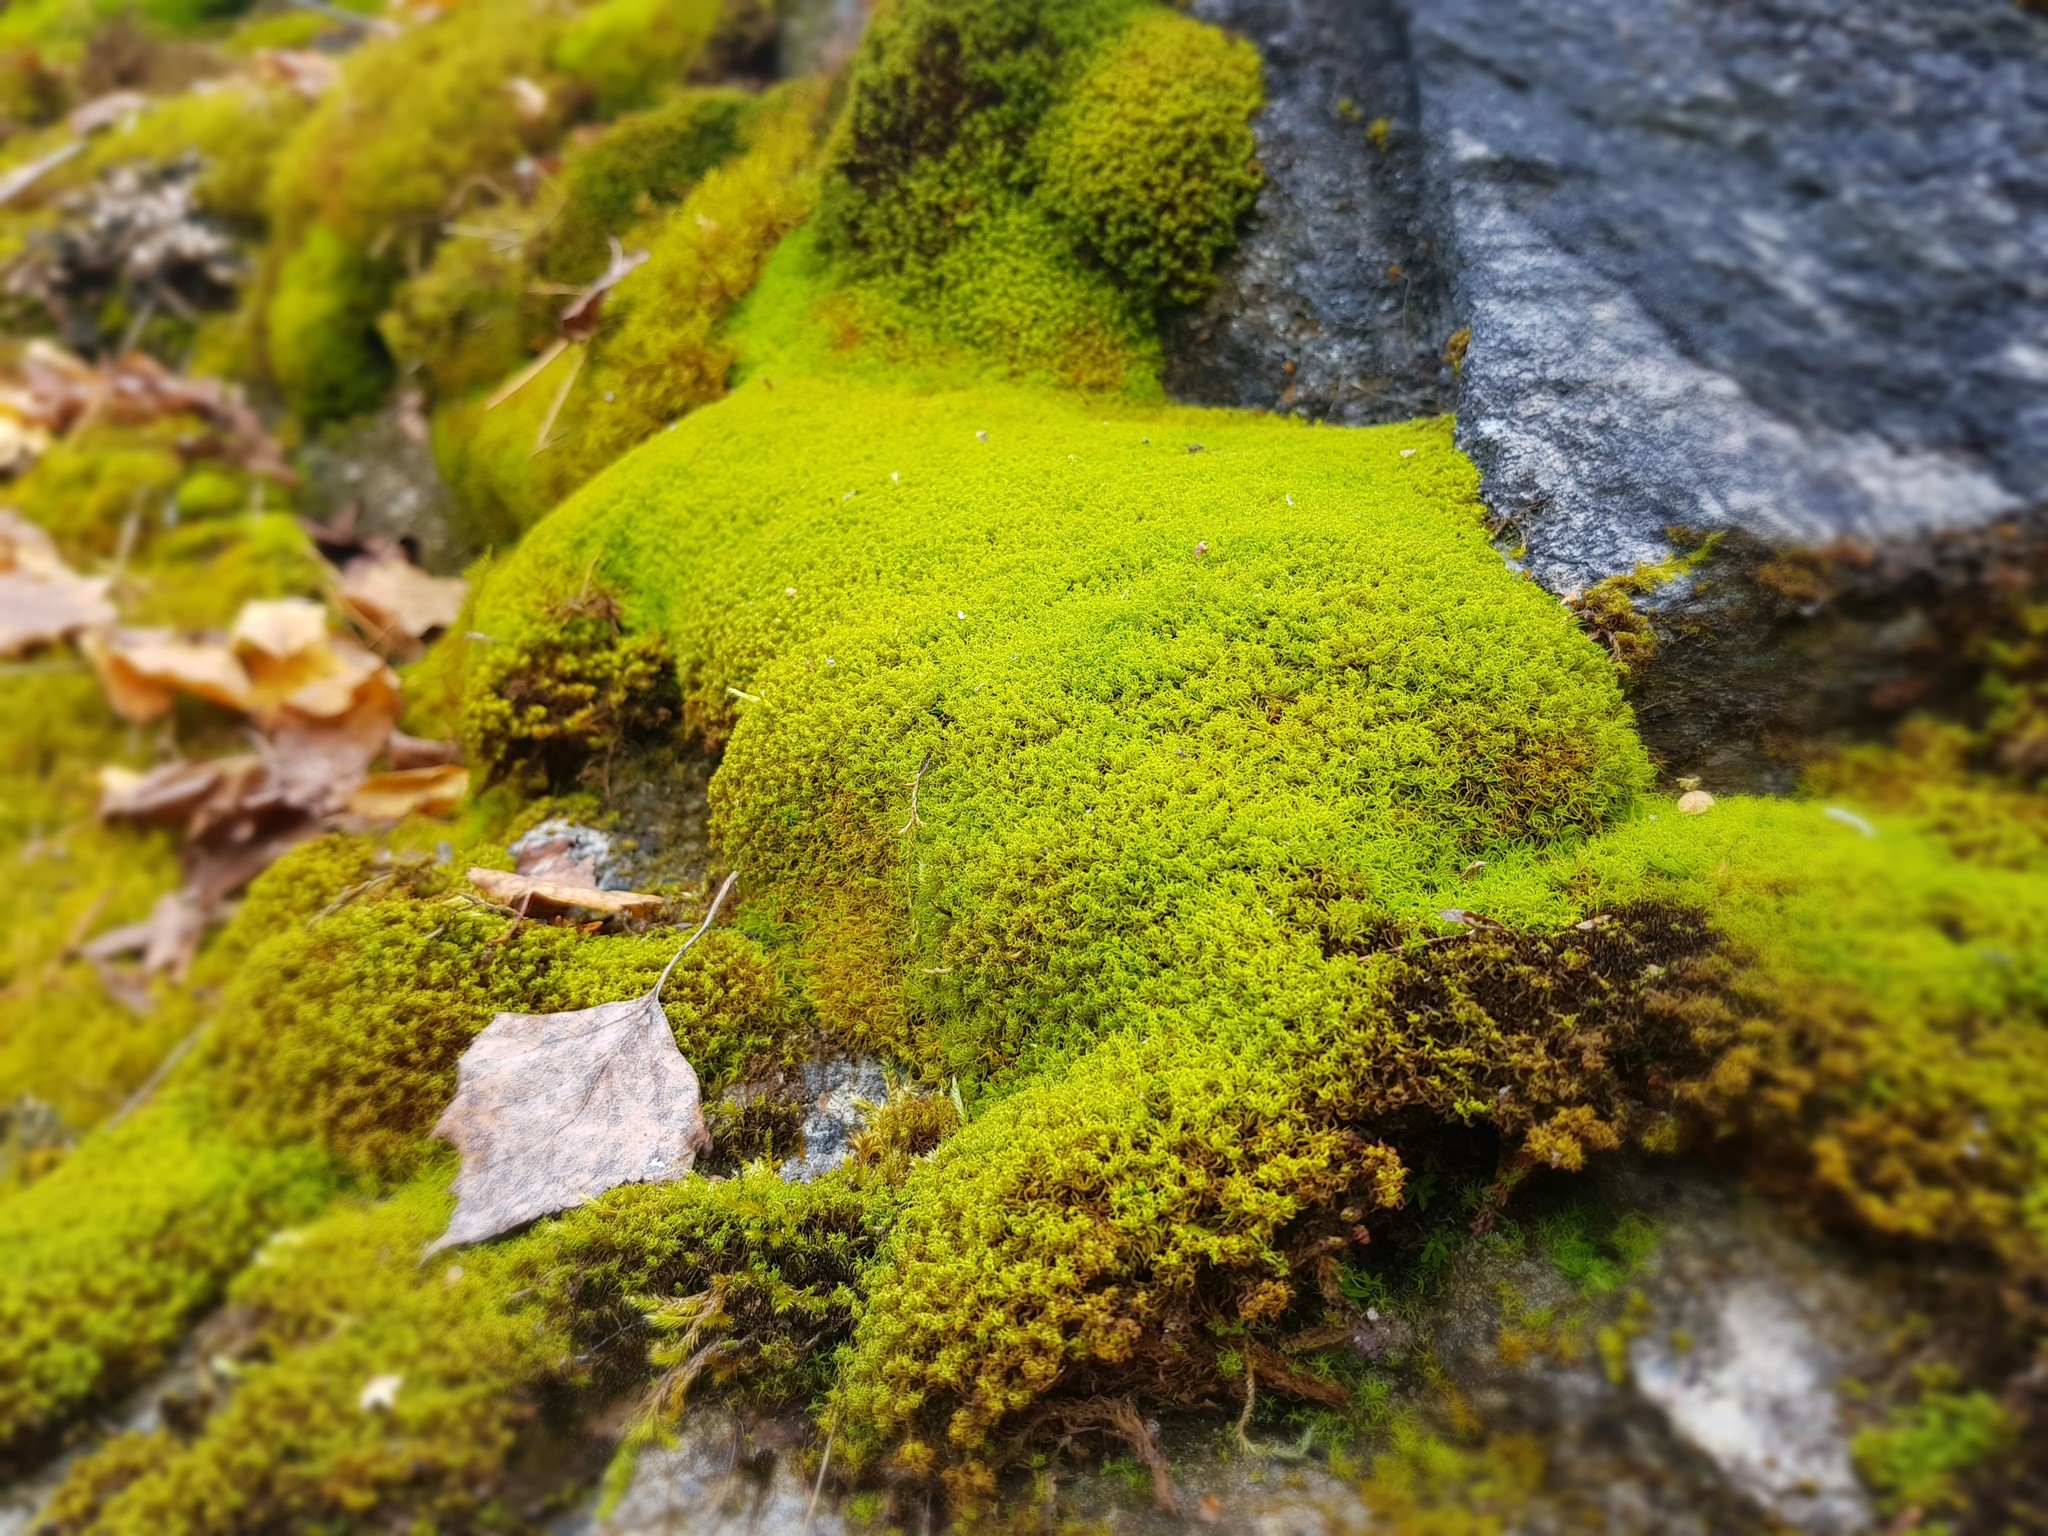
x,y
567,698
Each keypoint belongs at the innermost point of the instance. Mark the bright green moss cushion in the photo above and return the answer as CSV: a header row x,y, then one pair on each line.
x,y
1191,692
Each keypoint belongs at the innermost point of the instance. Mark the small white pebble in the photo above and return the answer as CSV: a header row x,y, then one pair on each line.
x,y
1407,453
1372,1314
847,497
830,662
895,477
608,397
1696,802
454,1275
981,437
1290,501
379,1394
1851,819
960,613
789,591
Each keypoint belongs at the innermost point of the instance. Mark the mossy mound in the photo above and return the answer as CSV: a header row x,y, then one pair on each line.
x,y
1127,769
1028,179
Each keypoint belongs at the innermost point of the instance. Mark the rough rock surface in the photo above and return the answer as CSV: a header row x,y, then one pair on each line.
x,y
1776,264
1334,303
838,1093
720,1478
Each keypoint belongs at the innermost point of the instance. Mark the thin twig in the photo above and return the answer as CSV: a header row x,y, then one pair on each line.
x,y
916,780
1251,1399
540,438
824,1464
526,375
155,1079
716,902
19,180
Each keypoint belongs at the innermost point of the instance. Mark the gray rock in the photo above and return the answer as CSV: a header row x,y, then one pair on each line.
x,y
721,1478
1334,304
1776,265
837,1091
1756,1395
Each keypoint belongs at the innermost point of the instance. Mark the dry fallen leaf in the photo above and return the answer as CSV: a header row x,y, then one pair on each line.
x,y
318,762
417,752
542,897
166,940
142,670
1695,802
42,600
392,596
402,792
553,1109
168,795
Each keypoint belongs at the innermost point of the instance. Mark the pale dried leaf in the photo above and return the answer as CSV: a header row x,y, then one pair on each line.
x,y
279,628
35,612
553,1109
317,761
356,680
166,940
393,596
142,669
417,752
528,894
169,794
407,791
1695,802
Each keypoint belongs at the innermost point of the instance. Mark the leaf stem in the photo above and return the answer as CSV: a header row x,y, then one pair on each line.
x,y
716,902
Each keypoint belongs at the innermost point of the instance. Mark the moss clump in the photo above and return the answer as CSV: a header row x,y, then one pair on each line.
x,y
663,351
1122,677
1884,1023
626,51
581,688
105,1262
995,179
322,336
468,320
343,1029
1108,712
1151,155
327,1310
1920,1458
637,166
1130,1222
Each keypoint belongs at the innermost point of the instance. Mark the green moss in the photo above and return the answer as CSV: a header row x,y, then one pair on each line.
x,y
1886,1013
199,576
1151,156
329,1308
321,328
105,1262
663,350
625,52
1919,1457
468,320
88,485
1608,608
959,184
342,1026
67,1041
236,133
638,165
413,119
580,689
